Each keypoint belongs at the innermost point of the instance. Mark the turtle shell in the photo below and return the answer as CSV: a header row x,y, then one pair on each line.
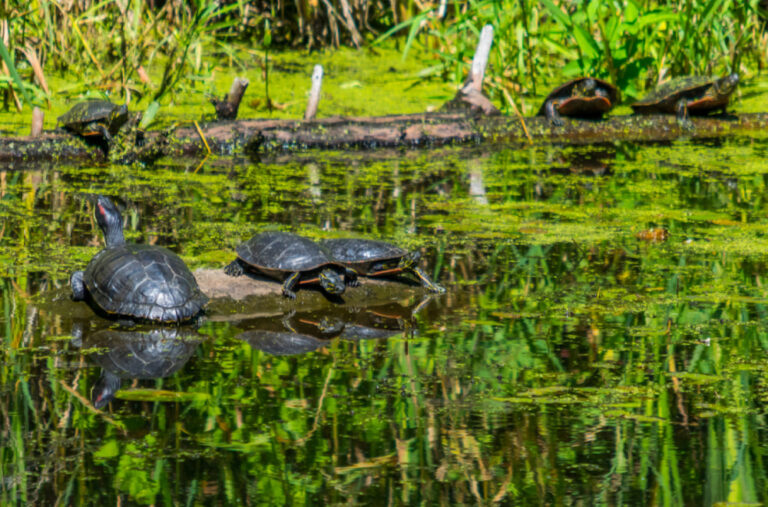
x,y
143,353
83,113
280,253
664,98
573,103
362,254
145,282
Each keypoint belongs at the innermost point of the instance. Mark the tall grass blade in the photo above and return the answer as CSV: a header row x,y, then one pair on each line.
x,y
13,72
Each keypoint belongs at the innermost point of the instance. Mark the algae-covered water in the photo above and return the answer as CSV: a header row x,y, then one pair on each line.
x,y
602,340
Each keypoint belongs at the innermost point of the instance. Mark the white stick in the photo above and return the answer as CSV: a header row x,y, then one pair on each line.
x,y
480,61
37,122
314,93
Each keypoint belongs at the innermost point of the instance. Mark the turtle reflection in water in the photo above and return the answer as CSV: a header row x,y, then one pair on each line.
x,y
135,353
300,333
291,334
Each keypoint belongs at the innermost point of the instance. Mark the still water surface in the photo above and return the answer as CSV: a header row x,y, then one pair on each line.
x,y
576,358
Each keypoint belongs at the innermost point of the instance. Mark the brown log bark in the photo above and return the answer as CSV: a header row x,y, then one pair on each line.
x,y
258,137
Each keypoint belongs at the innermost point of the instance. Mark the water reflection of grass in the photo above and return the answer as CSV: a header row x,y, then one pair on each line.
x,y
569,360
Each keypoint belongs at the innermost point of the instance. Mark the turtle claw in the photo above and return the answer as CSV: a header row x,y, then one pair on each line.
x,y
350,278
78,286
289,294
233,268
437,289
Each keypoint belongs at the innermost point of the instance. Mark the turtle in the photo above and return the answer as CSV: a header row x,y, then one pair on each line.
x,y
135,353
95,118
689,95
584,97
292,259
378,258
133,281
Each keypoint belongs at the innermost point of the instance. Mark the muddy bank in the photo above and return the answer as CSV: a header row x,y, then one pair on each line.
x,y
256,138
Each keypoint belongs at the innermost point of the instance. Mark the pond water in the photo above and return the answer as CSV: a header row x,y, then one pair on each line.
x,y
602,340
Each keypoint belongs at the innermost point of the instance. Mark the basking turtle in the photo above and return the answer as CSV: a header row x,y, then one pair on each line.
x,y
293,260
689,95
135,353
585,97
136,281
378,258
95,118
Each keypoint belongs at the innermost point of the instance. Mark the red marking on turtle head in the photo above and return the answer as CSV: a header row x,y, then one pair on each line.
x,y
102,210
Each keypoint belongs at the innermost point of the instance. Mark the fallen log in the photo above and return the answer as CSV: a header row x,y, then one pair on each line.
x,y
258,137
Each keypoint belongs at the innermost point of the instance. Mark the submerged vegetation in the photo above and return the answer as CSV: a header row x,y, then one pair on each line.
x,y
147,50
572,359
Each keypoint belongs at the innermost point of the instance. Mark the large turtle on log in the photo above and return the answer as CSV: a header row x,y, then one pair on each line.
x,y
136,282
584,97
100,118
689,95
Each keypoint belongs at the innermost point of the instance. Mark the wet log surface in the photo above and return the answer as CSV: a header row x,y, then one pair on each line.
x,y
244,297
256,138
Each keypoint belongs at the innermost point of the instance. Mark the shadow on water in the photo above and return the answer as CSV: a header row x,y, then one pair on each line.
x,y
575,358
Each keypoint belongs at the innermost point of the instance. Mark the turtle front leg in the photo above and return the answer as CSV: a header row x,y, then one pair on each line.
x,y
551,111
426,281
234,268
289,284
104,131
78,287
350,278
681,111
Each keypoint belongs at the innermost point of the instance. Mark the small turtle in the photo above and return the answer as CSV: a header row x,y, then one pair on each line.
x,y
585,97
293,260
142,282
689,95
378,258
95,118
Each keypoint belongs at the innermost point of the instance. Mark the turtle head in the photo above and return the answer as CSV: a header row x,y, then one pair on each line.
x,y
726,85
105,389
110,221
331,281
118,117
330,325
586,88
410,260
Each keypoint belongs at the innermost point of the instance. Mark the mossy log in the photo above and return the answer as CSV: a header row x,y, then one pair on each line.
x,y
264,137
